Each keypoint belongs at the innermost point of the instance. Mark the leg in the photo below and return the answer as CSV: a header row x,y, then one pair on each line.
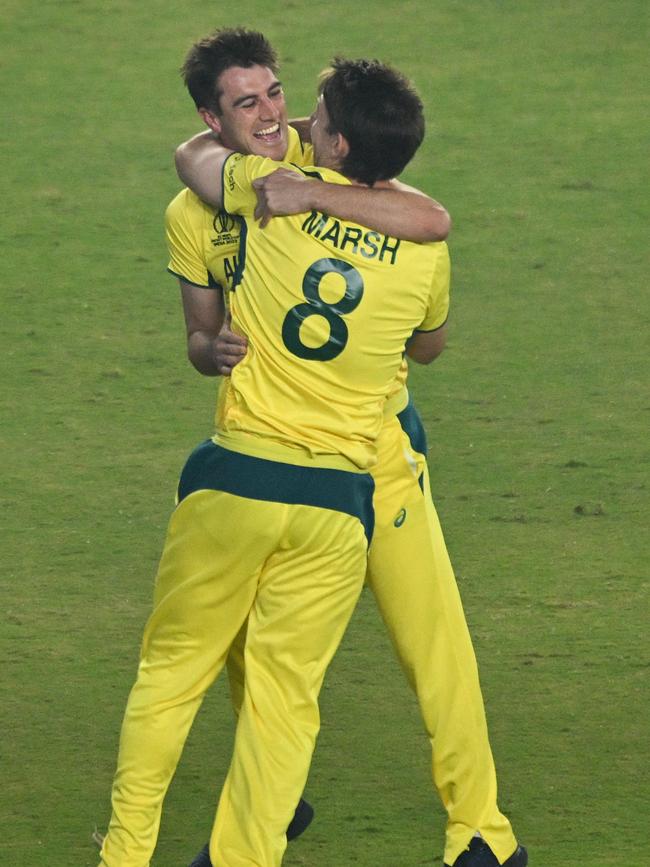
x,y
306,595
235,666
205,587
421,607
235,669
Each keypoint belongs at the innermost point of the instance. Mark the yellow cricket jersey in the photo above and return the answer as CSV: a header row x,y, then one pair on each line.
x,y
327,307
203,243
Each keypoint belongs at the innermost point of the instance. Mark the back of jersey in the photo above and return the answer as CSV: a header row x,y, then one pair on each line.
x,y
327,308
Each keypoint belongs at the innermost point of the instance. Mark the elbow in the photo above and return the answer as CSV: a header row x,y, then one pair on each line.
x,y
198,172
180,161
200,356
194,358
438,225
422,357
424,349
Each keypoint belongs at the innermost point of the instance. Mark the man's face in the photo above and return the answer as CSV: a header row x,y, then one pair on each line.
x,y
253,117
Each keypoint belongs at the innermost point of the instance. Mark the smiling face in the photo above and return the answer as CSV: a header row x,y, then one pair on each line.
x,y
253,118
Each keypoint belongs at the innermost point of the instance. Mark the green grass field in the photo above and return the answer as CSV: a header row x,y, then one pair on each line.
x,y
537,417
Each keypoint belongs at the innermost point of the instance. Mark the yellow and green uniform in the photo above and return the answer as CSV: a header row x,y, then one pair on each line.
x,y
273,520
283,549
419,602
417,596
429,631
412,579
324,304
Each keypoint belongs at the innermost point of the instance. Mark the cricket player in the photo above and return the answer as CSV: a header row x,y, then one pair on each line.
x,y
420,604
275,512
204,241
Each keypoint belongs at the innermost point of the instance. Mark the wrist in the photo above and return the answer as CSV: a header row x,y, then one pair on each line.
x,y
318,198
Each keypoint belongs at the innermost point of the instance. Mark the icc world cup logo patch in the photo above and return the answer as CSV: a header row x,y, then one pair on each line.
x,y
223,223
226,228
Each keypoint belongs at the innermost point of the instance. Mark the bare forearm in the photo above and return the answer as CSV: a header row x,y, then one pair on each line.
x,y
401,214
201,351
199,162
215,354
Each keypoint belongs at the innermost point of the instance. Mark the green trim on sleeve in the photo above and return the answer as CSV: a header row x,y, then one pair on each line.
x,y
430,330
309,174
211,285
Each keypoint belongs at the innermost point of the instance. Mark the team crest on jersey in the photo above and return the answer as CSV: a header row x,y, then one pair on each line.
x,y
224,225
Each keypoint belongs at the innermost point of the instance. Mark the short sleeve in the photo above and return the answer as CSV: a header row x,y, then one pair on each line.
x,y
239,172
183,230
438,309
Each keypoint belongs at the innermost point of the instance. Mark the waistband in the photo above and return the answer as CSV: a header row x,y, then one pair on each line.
x,y
212,467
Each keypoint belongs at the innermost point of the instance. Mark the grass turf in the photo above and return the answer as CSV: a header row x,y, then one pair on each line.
x,y
537,418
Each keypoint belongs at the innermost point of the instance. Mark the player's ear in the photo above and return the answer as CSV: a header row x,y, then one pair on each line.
x,y
341,146
210,120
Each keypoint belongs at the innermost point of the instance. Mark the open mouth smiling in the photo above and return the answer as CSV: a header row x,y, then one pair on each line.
x,y
270,133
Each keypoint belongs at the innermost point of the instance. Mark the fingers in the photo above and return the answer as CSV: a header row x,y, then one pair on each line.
x,y
227,357
280,175
231,341
229,348
281,193
261,211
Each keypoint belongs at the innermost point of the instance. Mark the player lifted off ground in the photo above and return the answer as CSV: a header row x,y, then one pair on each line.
x,y
275,513
204,242
222,72
421,606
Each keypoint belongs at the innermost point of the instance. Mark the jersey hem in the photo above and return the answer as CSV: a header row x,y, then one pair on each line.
x,y
212,467
259,447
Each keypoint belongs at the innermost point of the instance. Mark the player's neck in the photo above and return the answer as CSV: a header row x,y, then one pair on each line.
x,y
378,185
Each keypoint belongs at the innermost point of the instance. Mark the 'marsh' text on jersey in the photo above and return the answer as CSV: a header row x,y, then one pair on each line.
x,y
368,244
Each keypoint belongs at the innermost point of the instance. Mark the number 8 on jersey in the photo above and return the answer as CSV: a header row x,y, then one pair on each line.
x,y
316,306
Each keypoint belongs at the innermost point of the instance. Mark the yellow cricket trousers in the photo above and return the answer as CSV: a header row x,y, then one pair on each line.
x,y
412,579
294,570
411,576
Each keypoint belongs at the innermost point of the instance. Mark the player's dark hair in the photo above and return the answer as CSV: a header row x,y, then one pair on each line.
x,y
379,113
208,58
